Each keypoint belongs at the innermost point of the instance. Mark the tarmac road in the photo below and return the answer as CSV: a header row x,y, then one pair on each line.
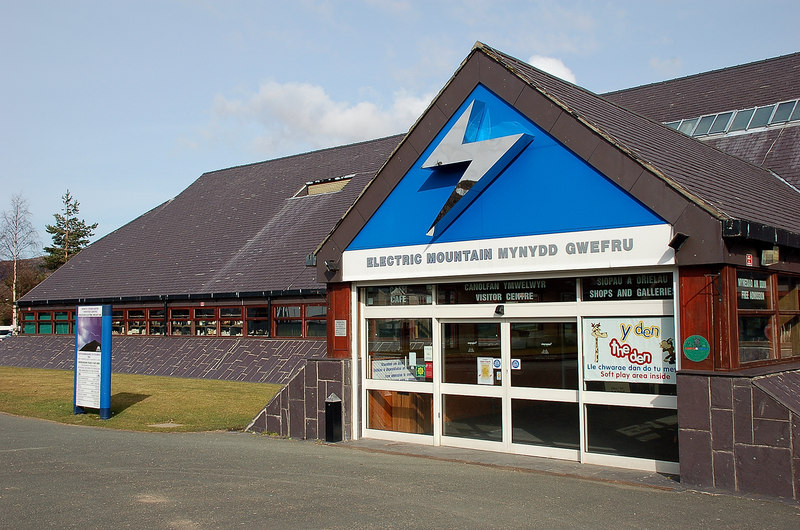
x,y
54,475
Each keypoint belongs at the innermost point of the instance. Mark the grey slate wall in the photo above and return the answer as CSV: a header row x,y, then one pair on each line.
x,y
298,411
736,436
234,359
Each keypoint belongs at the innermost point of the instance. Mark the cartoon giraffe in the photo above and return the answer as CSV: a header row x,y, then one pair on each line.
x,y
597,334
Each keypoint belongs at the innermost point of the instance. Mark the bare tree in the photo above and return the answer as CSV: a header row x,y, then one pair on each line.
x,y
17,238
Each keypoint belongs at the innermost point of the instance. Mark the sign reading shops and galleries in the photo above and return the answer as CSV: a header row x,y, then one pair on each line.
x,y
92,387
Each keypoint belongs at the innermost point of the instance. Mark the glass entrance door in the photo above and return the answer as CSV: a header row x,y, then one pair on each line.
x,y
511,385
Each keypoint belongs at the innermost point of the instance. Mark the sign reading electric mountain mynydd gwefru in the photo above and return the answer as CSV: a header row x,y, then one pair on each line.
x,y
595,249
93,360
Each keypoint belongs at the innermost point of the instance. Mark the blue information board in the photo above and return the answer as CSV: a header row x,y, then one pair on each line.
x,y
93,360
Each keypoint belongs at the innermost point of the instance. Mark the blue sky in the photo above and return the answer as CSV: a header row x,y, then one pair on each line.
x,y
126,103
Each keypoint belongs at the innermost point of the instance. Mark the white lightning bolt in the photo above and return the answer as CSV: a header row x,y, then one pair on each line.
x,y
487,158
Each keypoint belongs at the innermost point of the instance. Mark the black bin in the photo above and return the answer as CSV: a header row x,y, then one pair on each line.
x,y
333,419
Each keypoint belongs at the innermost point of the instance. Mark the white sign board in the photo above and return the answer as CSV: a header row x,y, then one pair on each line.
x,y
594,249
630,350
87,381
392,370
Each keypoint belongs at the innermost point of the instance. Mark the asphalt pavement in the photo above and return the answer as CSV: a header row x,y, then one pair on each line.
x,y
61,476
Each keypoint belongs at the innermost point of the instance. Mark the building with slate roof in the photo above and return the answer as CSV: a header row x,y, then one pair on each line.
x,y
534,269
585,277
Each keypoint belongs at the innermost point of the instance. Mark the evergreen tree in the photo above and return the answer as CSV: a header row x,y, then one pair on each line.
x,y
70,234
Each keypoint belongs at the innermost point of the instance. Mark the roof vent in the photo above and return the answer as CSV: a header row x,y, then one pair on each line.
x,y
318,187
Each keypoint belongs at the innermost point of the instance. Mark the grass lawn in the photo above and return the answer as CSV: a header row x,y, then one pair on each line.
x,y
138,402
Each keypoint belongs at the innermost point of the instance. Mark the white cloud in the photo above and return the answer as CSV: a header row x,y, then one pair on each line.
x,y
667,68
553,66
283,118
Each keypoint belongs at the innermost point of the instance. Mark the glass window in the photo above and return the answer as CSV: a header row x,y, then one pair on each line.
x,y
687,126
399,295
317,328
741,120
721,123
257,312
704,126
544,355
796,114
673,124
410,412
29,328
230,312
287,311
753,290
316,311
783,112
137,327
788,293
231,323
288,328
204,313
44,316
117,322
761,117
478,418
258,328
632,431
548,423
257,321
400,349
790,336
156,327
755,334
469,353
45,328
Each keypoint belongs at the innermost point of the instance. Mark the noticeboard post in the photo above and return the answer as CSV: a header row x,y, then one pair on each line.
x,y
93,360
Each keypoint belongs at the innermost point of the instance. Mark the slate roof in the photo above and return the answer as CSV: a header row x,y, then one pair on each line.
x,y
726,186
738,87
236,230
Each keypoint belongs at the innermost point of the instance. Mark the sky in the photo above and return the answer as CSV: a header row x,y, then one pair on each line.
x,y
126,103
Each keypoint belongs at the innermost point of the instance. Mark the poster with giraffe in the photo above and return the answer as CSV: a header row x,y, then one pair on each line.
x,y
631,350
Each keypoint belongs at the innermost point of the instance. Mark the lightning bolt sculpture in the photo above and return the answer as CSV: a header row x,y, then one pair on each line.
x,y
486,158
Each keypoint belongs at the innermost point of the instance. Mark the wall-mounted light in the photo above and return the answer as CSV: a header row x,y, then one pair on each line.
x,y
499,311
678,240
331,265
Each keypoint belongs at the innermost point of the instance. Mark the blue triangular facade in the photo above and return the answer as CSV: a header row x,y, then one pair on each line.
x,y
544,189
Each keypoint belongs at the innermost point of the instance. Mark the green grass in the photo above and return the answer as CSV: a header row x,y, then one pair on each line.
x,y
138,402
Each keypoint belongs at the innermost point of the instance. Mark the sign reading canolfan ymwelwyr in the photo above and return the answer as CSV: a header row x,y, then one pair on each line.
x,y
93,360
631,350
603,249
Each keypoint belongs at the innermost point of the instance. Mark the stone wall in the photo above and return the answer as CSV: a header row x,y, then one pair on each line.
x,y
298,410
740,433
235,359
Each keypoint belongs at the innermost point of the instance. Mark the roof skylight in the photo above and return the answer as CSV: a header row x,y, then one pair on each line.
x,y
743,119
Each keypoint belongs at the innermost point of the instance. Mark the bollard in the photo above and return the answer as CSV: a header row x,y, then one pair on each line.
x,y
333,419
